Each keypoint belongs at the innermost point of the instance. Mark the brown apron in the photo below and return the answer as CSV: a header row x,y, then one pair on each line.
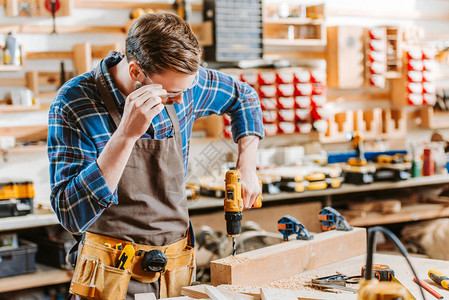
x,y
152,206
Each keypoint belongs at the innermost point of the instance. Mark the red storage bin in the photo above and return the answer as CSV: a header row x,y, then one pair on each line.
x,y
318,100
287,127
302,114
414,88
415,65
429,99
301,76
268,103
286,102
318,88
266,78
270,129
269,116
302,102
428,76
414,76
285,90
303,89
415,99
428,88
226,119
286,115
284,77
250,78
303,127
267,91
318,76
414,54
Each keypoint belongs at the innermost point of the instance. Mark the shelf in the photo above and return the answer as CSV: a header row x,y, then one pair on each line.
x,y
408,213
10,68
5,108
294,43
44,276
294,21
431,119
346,188
28,221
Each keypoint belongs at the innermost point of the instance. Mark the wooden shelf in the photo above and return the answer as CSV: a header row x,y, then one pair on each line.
x,y
346,188
294,43
28,221
408,213
293,21
44,276
18,108
10,68
431,119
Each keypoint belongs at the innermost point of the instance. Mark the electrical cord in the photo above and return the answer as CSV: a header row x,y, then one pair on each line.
x,y
371,247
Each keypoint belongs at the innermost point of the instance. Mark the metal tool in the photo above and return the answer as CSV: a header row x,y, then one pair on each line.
x,y
332,219
125,257
439,278
233,205
381,272
154,261
287,225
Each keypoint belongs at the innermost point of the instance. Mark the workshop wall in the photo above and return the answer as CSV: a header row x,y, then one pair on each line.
x,y
425,14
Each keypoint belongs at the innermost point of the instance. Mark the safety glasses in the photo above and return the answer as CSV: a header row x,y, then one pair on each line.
x,y
174,94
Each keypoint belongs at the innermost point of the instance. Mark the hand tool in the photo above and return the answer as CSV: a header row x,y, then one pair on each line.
x,y
373,289
287,225
233,205
53,6
357,170
125,257
332,219
108,245
118,246
154,261
381,272
427,288
439,278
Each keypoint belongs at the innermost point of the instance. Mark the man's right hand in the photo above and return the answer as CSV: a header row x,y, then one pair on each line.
x,y
141,106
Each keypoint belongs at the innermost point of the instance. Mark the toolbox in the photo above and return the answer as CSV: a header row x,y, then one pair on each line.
x,y
53,245
17,261
16,198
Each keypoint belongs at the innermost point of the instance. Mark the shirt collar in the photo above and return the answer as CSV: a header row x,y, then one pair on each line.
x,y
111,60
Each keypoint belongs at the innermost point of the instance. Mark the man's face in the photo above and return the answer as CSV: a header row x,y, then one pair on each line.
x,y
174,83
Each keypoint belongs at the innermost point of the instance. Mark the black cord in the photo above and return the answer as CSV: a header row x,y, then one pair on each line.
x,y
371,247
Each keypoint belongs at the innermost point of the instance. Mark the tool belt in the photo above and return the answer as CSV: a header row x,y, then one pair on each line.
x,y
95,276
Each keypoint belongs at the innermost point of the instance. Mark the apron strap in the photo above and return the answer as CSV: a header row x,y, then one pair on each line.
x,y
174,119
106,94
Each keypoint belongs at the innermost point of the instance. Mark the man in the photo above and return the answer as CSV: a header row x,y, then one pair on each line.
x,y
118,144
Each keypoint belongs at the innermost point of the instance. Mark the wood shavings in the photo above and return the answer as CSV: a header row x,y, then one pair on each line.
x,y
234,260
295,282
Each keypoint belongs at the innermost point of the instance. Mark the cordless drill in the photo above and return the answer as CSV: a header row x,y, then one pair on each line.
x,y
233,205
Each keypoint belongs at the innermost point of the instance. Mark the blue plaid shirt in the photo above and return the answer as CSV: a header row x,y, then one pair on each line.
x,y
80,127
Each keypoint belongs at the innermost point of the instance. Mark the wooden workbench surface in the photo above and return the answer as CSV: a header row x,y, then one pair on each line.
x,y
350,267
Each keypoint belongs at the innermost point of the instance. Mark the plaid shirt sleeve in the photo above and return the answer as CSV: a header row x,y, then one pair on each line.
x,y
218,93
79,193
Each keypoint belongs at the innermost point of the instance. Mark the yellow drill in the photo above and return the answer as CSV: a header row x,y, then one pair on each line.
x,y
233,205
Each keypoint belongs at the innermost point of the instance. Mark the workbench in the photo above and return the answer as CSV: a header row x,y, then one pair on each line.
x,y
352,266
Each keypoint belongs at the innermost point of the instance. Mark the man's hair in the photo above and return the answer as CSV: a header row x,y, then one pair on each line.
x,y
163,41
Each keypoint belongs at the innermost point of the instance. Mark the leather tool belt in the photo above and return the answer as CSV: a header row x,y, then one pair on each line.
x,y
95,276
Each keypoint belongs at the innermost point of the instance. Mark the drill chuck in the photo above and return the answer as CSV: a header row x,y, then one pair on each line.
x,y
233,223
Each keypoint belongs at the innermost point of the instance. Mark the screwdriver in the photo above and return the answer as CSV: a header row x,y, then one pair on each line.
x,y
439,278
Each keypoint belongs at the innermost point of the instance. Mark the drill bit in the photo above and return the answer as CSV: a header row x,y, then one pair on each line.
x,y
234,246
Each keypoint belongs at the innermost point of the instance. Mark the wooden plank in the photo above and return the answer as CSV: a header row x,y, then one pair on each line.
x,y
32,82
212,125
62,29
199,291
10,82
273,294
101,51
49,55
388,15
37,132
129,5
408,213
282,54
44,276
214,293
250,268
82,58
